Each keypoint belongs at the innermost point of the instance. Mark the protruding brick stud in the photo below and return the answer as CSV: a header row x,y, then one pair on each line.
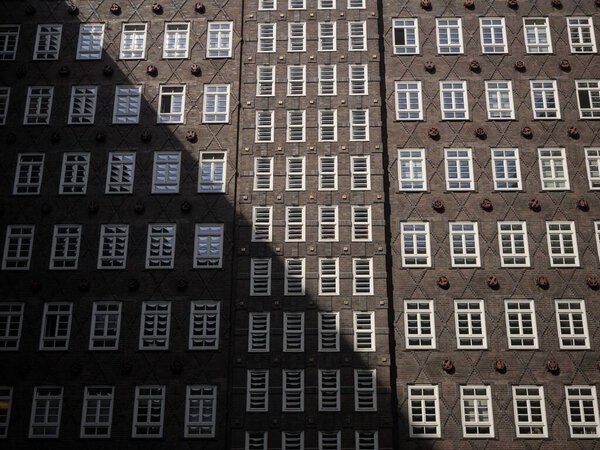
x,y
151,70
146,136
492,282
552,366
475,66
429,66
480,133
527,132
115,9
500,366
593,282
583,204
200,8
573,132
433,133
565,64
542,282
73,10
426,4
469,4
443,282
133,284
448,366
557,4
139,207
486,204
535,204
64,71
438,205
512,3
157,8
520,65
196,70
191,136
107,71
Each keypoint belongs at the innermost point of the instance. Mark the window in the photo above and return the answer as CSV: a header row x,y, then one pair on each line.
x,y
204,325
120,173
359,125
296,84
263,174
47,42
326,4
11,323
106,325
359,79
327,79
17,247
364,331
423,412
216,103
329,390
296,126
419,324
295,173
357,4
65,247
357,36
453,99
6,399
267,34
267,5
459,169
294,276
521,327
409,104
327,37
512,240
329,440
597,232
366,440
127,104
327,125
171,104
74,175
416,248
536,31
257,391
265,126
544,99
328,223
477,417
328,180
96,413
406,36
219,42
262,223
562,244
581,35
499,100
329,276
256,440
148,412
294,223
365,390
89,45
493,35
4,97
449,36
265,81
46,409
133,41
411,169
83,105
588,99
506,169
582,409
530,411
212,169
112,253
9,38
361,223
200,411
592,159
362,272
259,325
165,173
39,105
56,326
176,38
293,332
155,325
470,324
360,172
329,332
160,247
571,322
296,4
293,391
260,276
464,244
297,37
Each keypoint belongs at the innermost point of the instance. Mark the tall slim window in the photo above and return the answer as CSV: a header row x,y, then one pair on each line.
x,y
297,37
171,104
499,100
357,36
329,390
506,169
327,36
327,125
329,276
66,241
592,163
148,412
464,244
262,223
512,240
212,170
96,413
293,332
260,276
582,409
581,34
133,41
295,179
256,440
293,391
265,81
409,102
449,36
365,390
406,36
361,223
296,80
419,324
328,173
366,440
112,253
263,174
105,326
327,79
219,40
359,125
200,411
416,248
493,35
18,246
47,42
120,173
204,325
329,331
470,324
38,105
257,391
571,321
83,105
562,244
155,324
4,98
424,411
176,40
476,408
216,103
295,223
6,399
530,411
588,98
160,247
267,34
9,39
364,331
453,99
259,329
328,223
56,326
74,174
294,276
128,100
358,75
362,276
537,35
89,45
544,99
11,324
521,328
46,411
296,4
296,126
166,172
459,169
265,126
360,172
411,169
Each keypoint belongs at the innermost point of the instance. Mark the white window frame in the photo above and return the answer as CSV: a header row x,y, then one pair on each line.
x,y
362,276
357,36
112,250
523,396
571,324
357,4
267,5
200,411
358,79
327,38
588,98
265,81
329,276
327,75
581,403
161,245
55,332
74,173
96,412
38,107
449,35
127,105
477,412
360,173
133,41
6,400
263,173
89,43
506,169
295,223
9,41
260,276
155,325
212,172
419,324
296,126
459,169
499,100
536,35
148,412
4,98
296,81
204,325
171,103
328,173
208,246
295,174
364,331
359,125
562,244
454,100
326,4
18,247
361,223
365,390
47,42
49,401
328,125
120,173
66,242
295,277
166,172
11,326
293,331
582,38
415,247
328,223
424,402
264,126
409,100
215,105
329,390
257,397
464,249
105,326
296,4
545,103
296,37
176,40
267,38
492,32
521,324
405,36
470,324
513,244
329,331
262,223
292,386
259,332
219,40
82,108
412,169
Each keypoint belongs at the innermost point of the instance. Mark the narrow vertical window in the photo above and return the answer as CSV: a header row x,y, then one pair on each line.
x,y
204,325
329,332
295,173
409,102
419,324
263,174
499,100
411,169
216,103
96,414
361,223
416,246
83,105
328,125
112,253
294,276
464,244
256,440
9,39
265,81
459,169
171,104
364,331
74,174
530,411
46,411
11,325
521,328
360,172
296,126
582,409
328,171
212,170
424,412
453,99
357,36
65,247
588,99
176,40
6,400
262,223
562,244
155,325
38,105
359,125
544,99
512,239
329,276
120,173
160,247
208,248
295,223
56,326
571,322
265,126
328,223
330,440
148,412
476,408
18,246
89,45
105,326
358,75
537,35
293,391
200,411
260,276
329,390
327,79
133,41
506,169
297,37
362,273
406,36
166,172
327,36
493,35
581,34
257,391
259,329
470,324
296,81
219,40
449,36
4,99
267,34
365,390
554,173
47,42
128,100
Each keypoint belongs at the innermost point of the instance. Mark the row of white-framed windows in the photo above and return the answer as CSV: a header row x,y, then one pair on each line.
x,y
271,5
296,37
327,440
